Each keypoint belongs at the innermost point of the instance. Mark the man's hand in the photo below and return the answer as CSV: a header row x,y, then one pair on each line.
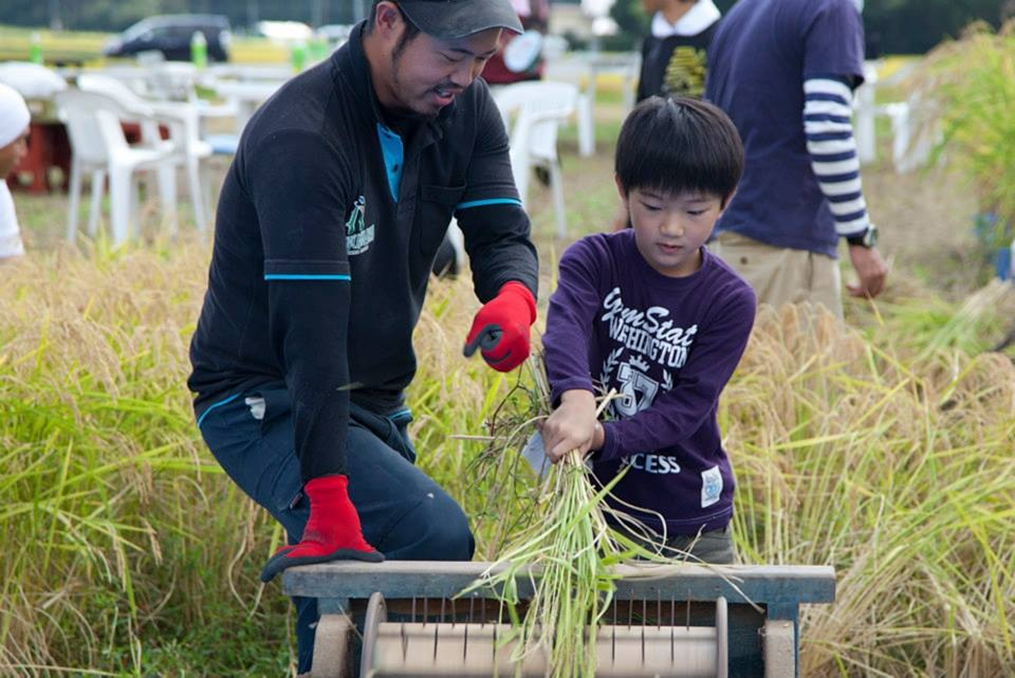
x,y
333,530
870,269
501,328
572,426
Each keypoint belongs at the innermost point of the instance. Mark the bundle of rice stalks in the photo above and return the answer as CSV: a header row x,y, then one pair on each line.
x,y
571,549
567,552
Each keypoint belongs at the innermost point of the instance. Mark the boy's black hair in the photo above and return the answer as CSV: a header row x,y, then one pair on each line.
x,y
679,144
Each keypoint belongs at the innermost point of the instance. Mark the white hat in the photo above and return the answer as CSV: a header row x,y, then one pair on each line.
x,y
32,81
14,115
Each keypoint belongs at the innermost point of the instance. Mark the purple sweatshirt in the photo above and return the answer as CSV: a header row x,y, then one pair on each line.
x,y
668,346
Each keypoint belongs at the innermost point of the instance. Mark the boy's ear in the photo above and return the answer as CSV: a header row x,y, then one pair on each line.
x,y
620,189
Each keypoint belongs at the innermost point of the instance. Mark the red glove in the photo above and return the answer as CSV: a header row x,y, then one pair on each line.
x,y
501,328
333,530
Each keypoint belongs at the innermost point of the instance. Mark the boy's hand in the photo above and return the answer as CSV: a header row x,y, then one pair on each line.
x,y
572,426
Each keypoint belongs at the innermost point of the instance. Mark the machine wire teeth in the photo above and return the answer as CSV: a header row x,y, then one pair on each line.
x,y
455,647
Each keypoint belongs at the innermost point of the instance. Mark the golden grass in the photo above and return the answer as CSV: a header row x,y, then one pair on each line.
x,y
886,452
897,469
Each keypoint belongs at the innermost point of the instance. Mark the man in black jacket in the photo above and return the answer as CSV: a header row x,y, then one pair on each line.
x,y
329,220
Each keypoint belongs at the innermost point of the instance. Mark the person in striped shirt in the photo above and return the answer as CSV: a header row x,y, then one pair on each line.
x,y
785,72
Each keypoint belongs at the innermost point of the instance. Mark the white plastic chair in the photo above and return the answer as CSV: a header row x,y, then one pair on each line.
x,y
538,109
177,81
183,120
30,80
865,107
564,67
98,145
171,81
915,133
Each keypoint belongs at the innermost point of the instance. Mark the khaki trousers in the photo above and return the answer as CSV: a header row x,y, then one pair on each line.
x,y
782,276
715,547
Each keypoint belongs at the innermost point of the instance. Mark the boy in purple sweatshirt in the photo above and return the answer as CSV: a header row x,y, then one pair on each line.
x,y
650,312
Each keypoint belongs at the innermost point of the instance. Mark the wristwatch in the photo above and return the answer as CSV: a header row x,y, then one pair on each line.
x,y
867,239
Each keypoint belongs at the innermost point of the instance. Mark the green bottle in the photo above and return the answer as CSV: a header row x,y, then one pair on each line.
x,y
35,48
199,49
298,56
318,49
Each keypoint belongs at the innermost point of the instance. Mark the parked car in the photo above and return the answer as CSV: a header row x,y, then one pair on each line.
x,y
171,34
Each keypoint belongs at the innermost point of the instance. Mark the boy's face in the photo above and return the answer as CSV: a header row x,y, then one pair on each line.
x,y
670,229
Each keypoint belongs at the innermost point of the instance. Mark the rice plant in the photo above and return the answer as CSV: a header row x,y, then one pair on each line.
x,y
886,452
969,85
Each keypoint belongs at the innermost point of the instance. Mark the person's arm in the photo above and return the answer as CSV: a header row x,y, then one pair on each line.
x,y
828,126
675,415
501,254
829,129
833,67
642,91
490,213
11,247
566,346
300,208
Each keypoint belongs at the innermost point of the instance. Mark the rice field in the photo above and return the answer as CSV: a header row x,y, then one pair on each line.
x,y
886,450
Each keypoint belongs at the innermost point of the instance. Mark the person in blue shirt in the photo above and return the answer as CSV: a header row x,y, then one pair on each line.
x,y
785,71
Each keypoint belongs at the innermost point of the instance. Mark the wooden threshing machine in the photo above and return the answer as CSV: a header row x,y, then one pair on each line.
x,y
667,621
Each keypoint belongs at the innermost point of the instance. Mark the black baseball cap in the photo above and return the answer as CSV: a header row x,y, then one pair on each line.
x,y
453,19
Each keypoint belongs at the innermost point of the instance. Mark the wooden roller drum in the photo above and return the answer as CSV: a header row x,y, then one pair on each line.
x,y
477,650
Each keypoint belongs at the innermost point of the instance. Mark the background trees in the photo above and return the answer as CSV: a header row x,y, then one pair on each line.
x,y
893,26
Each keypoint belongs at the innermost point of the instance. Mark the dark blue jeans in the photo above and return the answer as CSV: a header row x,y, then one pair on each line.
x,y
405,514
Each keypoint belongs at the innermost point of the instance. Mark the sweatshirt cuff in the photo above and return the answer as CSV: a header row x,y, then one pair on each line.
x,y
570,384
611,442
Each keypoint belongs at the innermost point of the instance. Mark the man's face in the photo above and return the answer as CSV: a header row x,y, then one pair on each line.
x,y
426,73
12,153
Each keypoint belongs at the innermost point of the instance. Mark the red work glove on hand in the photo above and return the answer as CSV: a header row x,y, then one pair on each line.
x,y
333,530
501,328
